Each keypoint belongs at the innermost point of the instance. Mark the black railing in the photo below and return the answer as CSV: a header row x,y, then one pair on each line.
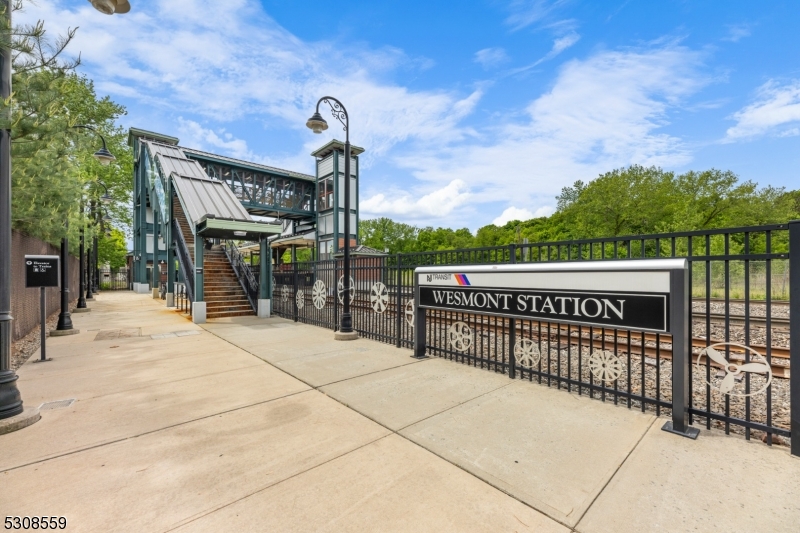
x,y
185,263
243,273
739,280
182,299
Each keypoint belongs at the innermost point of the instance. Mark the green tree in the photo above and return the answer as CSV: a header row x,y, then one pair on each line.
x,y
111,249
53,168
384,233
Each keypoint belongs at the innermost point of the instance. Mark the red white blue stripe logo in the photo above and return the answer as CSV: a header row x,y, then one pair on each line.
x,y
462,279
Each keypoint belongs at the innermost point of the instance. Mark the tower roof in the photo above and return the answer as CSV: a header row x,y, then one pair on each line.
x,y
336,144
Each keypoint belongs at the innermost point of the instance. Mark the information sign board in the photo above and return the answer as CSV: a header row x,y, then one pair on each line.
x,y
41,271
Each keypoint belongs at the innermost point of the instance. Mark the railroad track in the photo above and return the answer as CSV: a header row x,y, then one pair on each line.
x,y
776,303
740,320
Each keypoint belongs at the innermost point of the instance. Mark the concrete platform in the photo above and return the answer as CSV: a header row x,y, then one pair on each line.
x,y
718,483
550,449
401,396
268,425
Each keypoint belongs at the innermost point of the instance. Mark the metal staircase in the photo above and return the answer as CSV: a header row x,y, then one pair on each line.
x,y
223,292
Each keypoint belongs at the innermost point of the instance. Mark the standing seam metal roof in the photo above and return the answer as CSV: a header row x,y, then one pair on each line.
x,y
199,195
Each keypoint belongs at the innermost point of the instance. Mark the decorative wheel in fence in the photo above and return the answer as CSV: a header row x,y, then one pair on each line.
x,y
379,297
340,289
605,366
460,336
728,383
318,296
409,312
285,294
300,299
526,353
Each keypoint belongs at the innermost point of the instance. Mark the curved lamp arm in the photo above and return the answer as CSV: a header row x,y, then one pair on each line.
x,y
318,124
103,155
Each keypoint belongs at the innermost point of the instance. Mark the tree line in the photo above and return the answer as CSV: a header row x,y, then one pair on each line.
x,y
635,200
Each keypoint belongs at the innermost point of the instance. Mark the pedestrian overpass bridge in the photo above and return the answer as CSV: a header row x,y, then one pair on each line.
x,y
193,210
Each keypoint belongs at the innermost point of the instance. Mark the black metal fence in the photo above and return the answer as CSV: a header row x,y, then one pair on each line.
x,y
114,279
741,311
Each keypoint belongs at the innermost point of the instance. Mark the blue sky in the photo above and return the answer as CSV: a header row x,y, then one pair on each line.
x,y
470,112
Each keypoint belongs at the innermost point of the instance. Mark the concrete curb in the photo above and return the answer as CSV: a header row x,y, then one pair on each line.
x,y
29,415
81,310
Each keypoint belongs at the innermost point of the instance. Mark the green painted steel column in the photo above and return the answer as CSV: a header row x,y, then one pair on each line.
x,y
142,233
154,277
170,249
198,268
265,276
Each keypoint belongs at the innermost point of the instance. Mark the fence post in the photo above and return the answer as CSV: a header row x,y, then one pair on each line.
x,y
294,293
419,324
399,308
512,326
794,333
680,327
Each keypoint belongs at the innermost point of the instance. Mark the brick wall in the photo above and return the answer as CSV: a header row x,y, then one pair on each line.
x,y
25,302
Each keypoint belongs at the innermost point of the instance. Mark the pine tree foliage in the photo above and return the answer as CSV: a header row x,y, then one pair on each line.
x,y
55,179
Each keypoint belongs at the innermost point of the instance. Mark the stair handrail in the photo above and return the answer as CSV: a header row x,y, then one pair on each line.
x,y
243,273
185,262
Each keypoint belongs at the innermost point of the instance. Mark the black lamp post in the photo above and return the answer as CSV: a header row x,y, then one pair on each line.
x,y
105,158
85,266
317,124
10,398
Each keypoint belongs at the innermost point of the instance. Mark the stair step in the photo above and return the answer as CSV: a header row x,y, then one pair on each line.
x,y
230,314
225,308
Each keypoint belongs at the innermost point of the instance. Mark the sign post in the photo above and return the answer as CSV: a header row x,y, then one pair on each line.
x,y
42,271
650,296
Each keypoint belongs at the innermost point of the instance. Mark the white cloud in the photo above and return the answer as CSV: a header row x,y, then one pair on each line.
x,y
559,45
193,135
521,214
527,12
490,57
436,204
776,106
189,57
737,32
562,43
601,113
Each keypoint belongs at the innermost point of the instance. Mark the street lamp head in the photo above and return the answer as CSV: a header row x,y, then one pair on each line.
x,y
109,7
106,198
104,156
316,123
106,218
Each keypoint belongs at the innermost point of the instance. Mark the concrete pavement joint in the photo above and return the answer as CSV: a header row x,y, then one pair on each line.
x,y
266,487
117,391
616,470
130,437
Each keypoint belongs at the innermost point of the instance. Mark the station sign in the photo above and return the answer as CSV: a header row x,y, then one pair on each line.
x,y
479,293
591,294
41,271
